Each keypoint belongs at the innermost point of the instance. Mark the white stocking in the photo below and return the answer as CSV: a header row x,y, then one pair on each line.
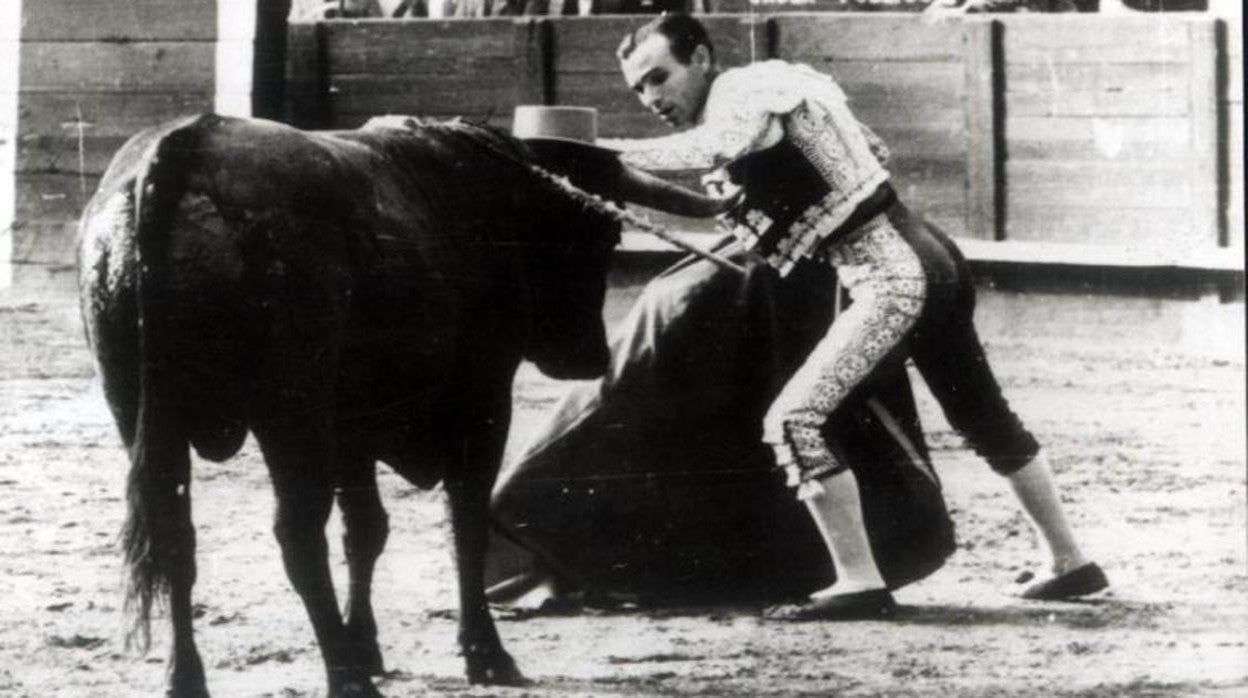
x,y
837,511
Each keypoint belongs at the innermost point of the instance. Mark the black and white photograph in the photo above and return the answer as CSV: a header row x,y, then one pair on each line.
x,y
527,348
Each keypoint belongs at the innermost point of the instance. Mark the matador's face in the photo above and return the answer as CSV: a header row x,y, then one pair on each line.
x,y
675,91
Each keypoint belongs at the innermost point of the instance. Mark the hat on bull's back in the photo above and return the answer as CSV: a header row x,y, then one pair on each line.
x,y
539,123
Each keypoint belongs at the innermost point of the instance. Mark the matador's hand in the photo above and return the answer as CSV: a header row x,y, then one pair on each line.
x,y
723,190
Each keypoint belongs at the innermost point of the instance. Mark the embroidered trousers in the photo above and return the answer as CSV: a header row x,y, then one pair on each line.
x,y
912,298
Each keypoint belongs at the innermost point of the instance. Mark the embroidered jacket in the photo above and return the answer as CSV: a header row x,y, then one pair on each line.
x,y
799,116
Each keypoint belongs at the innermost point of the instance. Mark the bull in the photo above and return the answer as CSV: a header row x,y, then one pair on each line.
x,y
349,298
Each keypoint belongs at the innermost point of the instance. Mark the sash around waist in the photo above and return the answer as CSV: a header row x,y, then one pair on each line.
x,y
764,231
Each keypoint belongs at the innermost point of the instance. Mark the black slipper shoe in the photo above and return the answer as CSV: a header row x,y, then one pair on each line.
x,y
874,604
1081,581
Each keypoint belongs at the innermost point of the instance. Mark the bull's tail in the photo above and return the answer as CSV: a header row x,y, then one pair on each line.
x,y
157,539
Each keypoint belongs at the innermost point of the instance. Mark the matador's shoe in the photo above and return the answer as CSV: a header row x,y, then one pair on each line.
x,y
1081,581
873,604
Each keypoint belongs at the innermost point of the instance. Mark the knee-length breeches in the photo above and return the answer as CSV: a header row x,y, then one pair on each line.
x,y
912,298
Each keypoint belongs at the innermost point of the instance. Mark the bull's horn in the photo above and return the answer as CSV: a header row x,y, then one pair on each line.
x,y
643,188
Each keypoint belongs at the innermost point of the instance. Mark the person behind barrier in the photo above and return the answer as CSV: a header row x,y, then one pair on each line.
x,y
817,191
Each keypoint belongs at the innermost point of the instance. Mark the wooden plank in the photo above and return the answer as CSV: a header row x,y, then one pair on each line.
x,y
150,66
268,70
874,37
42,248
605,91
1207,177
1162,183
1100,103
53,197
1094,139
104,113
1143,74
762,38
532,51
1176,194
985,152
1070,38
922,91
922,141
402,86
91,20
305,90
1141,87
433,99
588,44
1131,227
447,67
389,46
67,154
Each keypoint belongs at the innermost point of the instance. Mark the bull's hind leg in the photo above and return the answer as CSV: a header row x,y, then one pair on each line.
x,y
367,527
299,458
186,670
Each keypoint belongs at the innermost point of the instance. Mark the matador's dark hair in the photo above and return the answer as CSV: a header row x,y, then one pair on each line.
x,y
683,32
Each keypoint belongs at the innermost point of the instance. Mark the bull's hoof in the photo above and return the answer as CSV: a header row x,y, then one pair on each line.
x,y
366,658
186,680
187,691
495,668
354,688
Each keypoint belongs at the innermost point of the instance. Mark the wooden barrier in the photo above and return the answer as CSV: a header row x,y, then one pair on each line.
x,y
1109,144
88,75
1062,129
87,85
1074,131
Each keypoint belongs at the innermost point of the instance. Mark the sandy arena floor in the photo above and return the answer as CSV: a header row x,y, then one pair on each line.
x,y
1148,444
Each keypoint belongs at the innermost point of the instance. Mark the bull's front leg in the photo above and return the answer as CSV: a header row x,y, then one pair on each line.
x,y
468,485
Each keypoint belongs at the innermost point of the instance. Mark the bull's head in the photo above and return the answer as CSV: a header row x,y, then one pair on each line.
x,y
567,338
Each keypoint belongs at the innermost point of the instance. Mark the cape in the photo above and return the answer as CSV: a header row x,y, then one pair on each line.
x,y
652,482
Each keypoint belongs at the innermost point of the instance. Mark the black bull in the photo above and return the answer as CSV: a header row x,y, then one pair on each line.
x,y
347,297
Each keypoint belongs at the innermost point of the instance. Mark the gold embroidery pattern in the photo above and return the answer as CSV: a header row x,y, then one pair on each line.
x,y
885,278
841,150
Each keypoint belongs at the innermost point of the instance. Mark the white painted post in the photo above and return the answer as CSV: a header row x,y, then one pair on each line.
x,y
235,56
